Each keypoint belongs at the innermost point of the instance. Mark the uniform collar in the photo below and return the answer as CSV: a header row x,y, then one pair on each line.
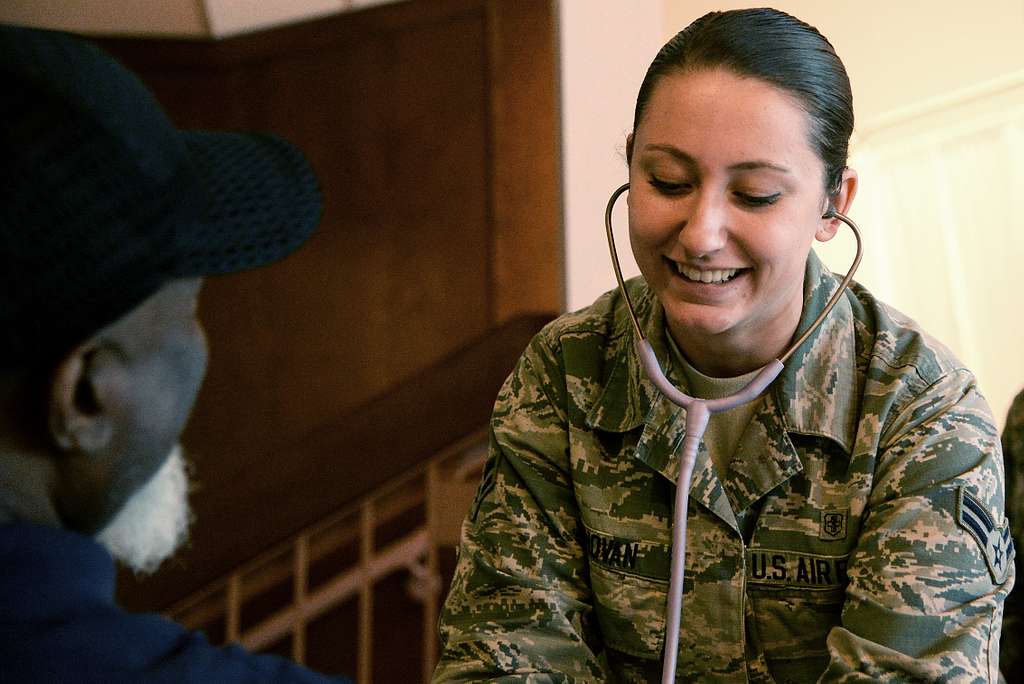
x,y
813,395
816,392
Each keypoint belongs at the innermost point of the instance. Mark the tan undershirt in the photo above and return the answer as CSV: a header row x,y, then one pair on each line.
x,y
724,429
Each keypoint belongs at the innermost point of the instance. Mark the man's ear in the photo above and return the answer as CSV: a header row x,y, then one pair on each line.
x,y
840,202
86,395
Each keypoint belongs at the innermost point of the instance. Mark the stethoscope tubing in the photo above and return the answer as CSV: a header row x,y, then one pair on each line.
x,y
698,413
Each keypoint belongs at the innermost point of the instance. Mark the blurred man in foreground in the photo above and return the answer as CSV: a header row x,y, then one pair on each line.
x,y
109,219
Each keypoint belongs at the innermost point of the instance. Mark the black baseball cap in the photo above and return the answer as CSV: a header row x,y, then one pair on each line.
x,y
103,200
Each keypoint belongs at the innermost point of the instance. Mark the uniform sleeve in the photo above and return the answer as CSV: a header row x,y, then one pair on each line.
x,y
520,606
930,571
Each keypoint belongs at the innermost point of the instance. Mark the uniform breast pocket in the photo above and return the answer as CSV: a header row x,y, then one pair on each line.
x,y
630,610
792,625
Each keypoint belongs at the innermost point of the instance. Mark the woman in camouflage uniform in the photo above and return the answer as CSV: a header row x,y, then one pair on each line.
x,y
847,525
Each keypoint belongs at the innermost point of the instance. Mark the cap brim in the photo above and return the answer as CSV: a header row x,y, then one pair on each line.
x,y
263,203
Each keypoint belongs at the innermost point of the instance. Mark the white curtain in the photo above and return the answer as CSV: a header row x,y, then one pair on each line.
x,y
941,206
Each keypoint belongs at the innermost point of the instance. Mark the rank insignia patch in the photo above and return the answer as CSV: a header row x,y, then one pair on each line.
x,y
833,524
995,540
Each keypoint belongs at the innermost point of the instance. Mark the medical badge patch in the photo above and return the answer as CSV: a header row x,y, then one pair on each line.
x,y
833,524
995,540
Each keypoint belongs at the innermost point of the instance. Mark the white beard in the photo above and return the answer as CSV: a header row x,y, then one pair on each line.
x,y
154,522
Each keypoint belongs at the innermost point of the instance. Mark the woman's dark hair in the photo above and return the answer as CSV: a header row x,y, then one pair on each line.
x,y
779,49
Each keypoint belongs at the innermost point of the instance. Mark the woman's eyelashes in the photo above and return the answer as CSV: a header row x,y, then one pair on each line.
x,y
752,200
748,199
670,187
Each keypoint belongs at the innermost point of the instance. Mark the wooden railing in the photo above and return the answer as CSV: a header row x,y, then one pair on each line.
x,y
442,488
356,589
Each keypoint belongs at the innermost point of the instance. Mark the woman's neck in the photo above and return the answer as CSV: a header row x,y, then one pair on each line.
x,y
735,351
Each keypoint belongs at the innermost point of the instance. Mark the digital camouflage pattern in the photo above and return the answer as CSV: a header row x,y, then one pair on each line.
x,y
1012,650
857,535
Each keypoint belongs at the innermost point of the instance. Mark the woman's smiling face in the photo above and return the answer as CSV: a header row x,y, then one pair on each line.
x,y
726,196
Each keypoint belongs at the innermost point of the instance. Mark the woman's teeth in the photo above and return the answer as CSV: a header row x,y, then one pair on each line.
x,y
714,277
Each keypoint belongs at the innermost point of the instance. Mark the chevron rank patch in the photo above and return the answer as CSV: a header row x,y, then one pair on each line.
x,y
995,540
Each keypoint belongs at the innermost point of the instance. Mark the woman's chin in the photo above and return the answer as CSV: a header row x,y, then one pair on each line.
x,y
700,324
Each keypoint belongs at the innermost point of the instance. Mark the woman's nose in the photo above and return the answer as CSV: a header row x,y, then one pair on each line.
x,y
704,229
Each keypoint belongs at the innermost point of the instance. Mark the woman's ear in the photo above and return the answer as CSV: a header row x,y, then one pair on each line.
x,y
86,394
840,202
629,149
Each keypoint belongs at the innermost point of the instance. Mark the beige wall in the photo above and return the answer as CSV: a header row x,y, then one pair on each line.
x,y
900,52
606,46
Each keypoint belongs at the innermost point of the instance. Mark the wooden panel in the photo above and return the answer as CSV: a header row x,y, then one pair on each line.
x,y
526,188
397,276
440,185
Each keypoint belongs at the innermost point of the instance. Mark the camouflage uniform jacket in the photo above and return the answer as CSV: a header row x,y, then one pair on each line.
x,y
858,535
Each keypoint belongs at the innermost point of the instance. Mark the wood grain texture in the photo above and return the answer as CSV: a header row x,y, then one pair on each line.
x,y
528,248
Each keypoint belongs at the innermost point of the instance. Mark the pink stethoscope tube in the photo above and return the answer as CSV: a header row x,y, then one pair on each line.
x,y
698,412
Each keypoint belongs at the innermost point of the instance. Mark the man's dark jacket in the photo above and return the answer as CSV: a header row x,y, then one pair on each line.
x,y
59,623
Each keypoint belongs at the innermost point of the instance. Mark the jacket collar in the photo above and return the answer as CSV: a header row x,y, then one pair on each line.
x,y
813,395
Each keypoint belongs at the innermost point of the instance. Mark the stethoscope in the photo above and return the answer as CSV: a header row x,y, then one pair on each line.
x,y
698,412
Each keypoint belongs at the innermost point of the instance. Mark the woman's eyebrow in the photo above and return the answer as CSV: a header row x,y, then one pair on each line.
x,y
688,160
758,164
672,151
